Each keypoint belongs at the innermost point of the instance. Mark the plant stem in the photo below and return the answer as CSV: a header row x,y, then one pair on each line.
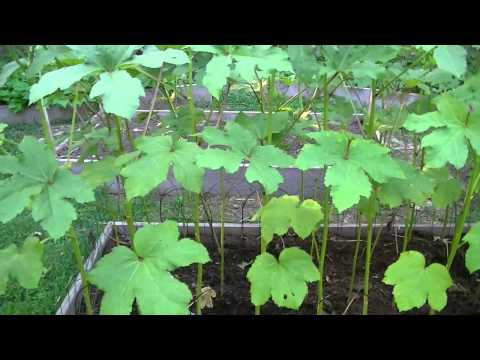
x,y
325,103
128,210
326,209
45,123
128,206
129,135
118,129
368,255
371,208
472,186
196,219
371,118
191,107
355,257
263,243
445,220
271,93
302,185
222,231
154,100
83,275
323,250
72,128
409,227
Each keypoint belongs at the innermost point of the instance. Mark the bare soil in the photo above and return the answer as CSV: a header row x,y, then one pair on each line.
x,y
463,296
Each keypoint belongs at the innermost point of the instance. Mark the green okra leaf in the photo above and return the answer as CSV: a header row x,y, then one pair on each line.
x,y
157,154
284,280
38,182
472,256
349,174
414,284
285,212
144,276
24,264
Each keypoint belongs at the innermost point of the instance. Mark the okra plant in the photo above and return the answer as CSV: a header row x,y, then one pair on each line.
x,y
361,169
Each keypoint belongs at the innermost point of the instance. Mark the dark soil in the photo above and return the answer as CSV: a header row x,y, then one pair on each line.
x,y
463,296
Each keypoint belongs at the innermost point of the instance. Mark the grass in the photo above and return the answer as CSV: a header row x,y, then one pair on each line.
x,y
58,261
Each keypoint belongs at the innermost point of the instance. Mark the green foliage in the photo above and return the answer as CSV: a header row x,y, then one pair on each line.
x,y
2,134
472,256
120,93
59,79
216,74
157,154
283,213
38,182
152,57
446,190
242,142
451,58
14,92
414,284
98,173
25,264
416,187
284,279
352,164
455,128
7,70
119,90
144,274
181,124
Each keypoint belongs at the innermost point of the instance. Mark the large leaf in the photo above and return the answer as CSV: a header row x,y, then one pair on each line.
x,y
100,172
472,256
59,79
446,190
218,158
258,124
453,128
106,57
37,181
143,276
416,187
451,58
24,265
47,56
414,284
348,174
260,167
120,93
216,75
7,70
283,280
151,168
260,158
286,212
263,57
152,57
304,63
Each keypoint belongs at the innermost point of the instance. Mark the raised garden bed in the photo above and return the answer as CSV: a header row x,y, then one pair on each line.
x,y
242,246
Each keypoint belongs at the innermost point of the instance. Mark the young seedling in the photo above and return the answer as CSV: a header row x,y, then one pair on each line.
x,y
284,280
414,284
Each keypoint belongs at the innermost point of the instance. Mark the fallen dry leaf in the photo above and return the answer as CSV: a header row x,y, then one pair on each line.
x,y
206,297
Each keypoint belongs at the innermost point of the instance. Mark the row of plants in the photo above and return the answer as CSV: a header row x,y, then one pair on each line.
x,y
441,133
